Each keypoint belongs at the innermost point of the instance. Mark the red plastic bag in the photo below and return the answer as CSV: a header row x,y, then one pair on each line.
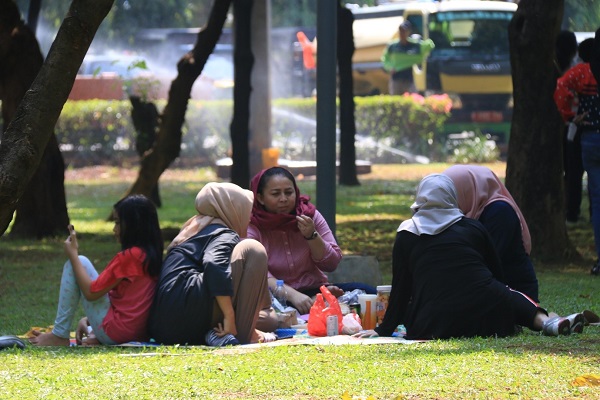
x,y
317,319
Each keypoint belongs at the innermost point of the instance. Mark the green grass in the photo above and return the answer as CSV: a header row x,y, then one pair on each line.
x,y
525,366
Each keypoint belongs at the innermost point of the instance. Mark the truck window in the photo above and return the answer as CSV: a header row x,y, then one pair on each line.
x,y
473,31
417,24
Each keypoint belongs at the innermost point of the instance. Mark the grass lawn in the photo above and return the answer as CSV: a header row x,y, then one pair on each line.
x,y
524,366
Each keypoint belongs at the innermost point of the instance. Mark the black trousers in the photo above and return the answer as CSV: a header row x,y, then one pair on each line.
x,y
573,167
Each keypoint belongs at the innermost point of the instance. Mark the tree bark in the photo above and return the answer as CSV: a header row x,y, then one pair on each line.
x,y
168,142
243,62
345,49
145,117
534,163
31,167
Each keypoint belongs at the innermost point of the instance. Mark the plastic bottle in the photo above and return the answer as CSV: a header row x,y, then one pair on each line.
x,y
280,294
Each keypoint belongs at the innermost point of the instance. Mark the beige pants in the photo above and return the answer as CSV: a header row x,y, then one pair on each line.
x,y
251,299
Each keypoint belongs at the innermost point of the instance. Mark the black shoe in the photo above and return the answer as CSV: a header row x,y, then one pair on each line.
x,y
596,269
11,341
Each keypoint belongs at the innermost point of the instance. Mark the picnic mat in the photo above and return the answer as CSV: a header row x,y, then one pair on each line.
x,y
290,337
287,337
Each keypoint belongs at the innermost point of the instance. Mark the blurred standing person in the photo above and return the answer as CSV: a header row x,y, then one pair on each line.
x,y
565,51
572,152
565,54
400,55
582,80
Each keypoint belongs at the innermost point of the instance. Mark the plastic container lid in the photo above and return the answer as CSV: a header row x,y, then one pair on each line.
x,y
384,288
280,282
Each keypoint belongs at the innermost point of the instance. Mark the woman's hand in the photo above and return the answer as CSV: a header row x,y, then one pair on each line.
x,y
579,119
226,327
306,225
300,301
82,330
366,334
71,245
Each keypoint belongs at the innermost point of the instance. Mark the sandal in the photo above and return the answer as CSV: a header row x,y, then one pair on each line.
x,y
576,322
590,318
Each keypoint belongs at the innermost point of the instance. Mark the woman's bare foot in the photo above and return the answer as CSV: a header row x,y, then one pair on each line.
x,y
262,337
336,291
47,339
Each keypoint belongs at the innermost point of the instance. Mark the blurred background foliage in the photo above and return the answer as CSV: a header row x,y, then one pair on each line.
x,y
129,16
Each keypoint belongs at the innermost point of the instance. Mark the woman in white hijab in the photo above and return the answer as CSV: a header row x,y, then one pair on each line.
x,y
446,277
212,285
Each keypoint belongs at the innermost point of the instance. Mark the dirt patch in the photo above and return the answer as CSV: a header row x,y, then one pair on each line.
x,y
108,173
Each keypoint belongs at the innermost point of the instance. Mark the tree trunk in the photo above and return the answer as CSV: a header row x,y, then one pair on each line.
x,y
28,148
168,142
42,210
534,163
345,50
243,63
145,117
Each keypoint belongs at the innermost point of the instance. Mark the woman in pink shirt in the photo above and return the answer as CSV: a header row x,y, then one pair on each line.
x,y
298,240
117,301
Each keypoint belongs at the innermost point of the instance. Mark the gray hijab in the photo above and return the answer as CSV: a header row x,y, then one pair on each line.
x,y
435,207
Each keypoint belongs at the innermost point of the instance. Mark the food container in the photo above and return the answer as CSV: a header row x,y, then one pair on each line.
x,y
381,304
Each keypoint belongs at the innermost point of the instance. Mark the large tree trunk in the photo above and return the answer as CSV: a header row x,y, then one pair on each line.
x,y
534,163
42,210
168,142
243,62
28,140
345,50
145,117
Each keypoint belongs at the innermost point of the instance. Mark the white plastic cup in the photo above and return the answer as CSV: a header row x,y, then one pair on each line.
x,y
383,298
368,315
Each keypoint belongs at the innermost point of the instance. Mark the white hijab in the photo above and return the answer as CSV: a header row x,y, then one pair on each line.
x,y
435,207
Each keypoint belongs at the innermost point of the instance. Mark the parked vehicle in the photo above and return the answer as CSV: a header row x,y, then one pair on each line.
x,y
470,61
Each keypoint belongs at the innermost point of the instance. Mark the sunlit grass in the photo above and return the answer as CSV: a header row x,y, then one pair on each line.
x,y
524,366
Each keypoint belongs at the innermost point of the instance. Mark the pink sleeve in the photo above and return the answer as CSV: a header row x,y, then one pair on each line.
x,y
253,232
333,253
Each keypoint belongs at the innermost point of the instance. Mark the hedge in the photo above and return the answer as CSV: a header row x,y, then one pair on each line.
x,y
101,131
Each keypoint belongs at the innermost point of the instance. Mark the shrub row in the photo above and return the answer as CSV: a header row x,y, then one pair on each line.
x,y
101,131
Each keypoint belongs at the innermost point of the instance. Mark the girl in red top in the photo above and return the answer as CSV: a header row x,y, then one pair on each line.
x,y
117,301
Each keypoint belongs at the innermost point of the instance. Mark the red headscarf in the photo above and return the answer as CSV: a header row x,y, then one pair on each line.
x,y
264,219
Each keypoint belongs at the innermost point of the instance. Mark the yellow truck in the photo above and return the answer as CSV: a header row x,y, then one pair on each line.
x,y
470,61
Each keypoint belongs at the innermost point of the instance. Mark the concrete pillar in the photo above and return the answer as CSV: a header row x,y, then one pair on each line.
x,y
260,97
326,109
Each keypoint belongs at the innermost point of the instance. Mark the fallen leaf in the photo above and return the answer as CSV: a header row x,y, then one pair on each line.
x,y
587,380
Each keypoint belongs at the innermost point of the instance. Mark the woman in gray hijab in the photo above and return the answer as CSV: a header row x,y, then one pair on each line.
x,y
447,277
